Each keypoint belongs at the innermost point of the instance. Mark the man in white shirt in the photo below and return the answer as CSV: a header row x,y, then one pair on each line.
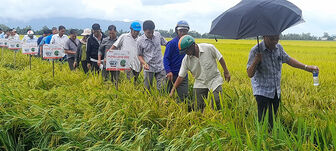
x,y
201,61
13,35
16,36
60,39
30,37
127,42
2,34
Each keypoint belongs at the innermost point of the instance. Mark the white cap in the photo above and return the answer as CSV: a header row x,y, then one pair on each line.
x,y
30,32
86,32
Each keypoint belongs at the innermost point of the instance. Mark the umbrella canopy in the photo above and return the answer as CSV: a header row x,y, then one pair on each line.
x,y
252,18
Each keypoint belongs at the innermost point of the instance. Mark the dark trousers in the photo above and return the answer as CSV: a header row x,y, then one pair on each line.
x,y
71,63
159,76
267,104
202,93
132,74
182,89
94,67
84,66
113,75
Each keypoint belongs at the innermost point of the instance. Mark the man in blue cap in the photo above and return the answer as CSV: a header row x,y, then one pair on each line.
x,y
127,42
172,60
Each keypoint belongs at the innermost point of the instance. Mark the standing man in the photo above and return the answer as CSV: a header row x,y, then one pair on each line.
x,y
39,41
150,55
54,31
60,39
8,33
172,60
103,48
201,61
44,41
15,35
81,57
92,47
30,37
264,69
127,42
2,34
71,48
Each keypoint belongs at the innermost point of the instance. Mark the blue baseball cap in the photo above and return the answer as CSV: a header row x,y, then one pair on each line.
x,y
136,26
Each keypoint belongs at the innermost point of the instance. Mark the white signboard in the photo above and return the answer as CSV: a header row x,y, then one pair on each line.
x,y
30,48
3,42
14,44
117,60
52,51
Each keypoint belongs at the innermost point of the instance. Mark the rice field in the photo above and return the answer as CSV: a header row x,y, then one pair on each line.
x,y
75,111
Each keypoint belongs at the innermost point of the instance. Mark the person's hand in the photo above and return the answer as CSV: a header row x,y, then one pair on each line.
x,y
98,63
75,64
227,76
172,92
146,66
170,76
88,65
258,58
312,68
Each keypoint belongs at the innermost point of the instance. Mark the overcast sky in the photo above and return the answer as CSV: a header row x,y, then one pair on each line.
x,y
320,15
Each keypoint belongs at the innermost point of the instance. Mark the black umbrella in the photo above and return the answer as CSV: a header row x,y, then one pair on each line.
x,y
252,18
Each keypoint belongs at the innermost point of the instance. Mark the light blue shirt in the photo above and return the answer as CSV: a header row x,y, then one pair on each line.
x,y
43,41
2,35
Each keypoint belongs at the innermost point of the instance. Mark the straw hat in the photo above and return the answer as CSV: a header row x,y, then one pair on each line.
x,y
86,32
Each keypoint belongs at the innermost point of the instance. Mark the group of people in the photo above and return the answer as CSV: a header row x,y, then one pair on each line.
x,y
10,34
182,54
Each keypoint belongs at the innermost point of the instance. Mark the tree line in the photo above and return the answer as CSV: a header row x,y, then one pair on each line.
x,y
171,33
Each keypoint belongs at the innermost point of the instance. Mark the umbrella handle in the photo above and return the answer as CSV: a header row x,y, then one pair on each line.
x,y
258,44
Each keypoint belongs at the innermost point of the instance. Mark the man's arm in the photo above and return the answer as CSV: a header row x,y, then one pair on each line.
x,y
143,62
296,64
67,51
218,56
113,47
101,50
166,61
67,48
52,41
140,56
163,41
252,68
176,84
116,45
227,75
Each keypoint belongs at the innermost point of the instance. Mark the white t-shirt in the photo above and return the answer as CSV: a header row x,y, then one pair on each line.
x,y
27,39
127,42
56,39
204,69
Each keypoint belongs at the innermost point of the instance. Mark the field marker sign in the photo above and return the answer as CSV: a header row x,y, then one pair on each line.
x,y
117,60
14,44
30,48
52,51
3,42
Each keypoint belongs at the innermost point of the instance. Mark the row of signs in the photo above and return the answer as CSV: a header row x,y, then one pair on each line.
x,y
115,60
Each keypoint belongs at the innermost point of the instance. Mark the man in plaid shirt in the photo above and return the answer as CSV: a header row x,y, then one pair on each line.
x,y
264,68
